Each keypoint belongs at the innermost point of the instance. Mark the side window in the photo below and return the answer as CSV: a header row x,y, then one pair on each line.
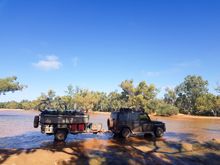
x,y
134,116
143,117
114,116
123,117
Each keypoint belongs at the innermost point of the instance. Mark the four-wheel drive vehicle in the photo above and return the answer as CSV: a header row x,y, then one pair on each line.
x,y
60,123
127,122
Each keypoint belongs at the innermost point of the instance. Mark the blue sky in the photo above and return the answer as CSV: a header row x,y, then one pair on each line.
x,y
96,44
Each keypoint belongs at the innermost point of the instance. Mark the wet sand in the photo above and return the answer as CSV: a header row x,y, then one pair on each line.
x,y
187,141
116,151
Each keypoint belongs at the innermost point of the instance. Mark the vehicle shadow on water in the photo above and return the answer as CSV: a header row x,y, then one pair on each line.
x,y
105,149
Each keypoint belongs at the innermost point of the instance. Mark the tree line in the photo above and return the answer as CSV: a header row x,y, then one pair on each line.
x,y
189,97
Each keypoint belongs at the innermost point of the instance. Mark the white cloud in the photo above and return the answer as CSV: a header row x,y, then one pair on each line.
x,y
75,61
49,63
194,63
152,74
178,67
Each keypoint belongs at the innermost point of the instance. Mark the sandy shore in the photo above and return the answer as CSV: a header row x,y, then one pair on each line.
x,y
117,151
196,117
100,113
17,110
20,110
187,147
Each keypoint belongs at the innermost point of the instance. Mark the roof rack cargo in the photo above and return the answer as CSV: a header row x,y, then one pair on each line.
x,y
66,112
131,110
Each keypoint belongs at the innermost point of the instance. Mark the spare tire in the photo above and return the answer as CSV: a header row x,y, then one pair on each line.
x,y
110,124
36,121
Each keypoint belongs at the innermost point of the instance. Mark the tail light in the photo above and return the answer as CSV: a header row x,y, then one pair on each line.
x,y
73,127
81,127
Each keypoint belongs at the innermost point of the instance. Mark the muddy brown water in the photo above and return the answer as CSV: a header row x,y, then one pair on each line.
x,y
16,130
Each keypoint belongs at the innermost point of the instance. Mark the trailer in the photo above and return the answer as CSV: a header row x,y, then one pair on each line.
x,y
62,123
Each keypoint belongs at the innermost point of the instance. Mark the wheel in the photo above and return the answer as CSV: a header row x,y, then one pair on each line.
x,y
125,133
110,124
60,135
159,132
36,121
116,135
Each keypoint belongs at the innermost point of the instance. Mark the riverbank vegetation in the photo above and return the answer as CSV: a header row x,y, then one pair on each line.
x,y
189,97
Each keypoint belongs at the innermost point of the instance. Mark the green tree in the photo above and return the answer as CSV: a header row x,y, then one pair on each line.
x,y
152,105
165,109
2,105
170,96
218,88
70,90
217,106
68,98
59,104
127,87
86,100
47,101
51,94
115,101
13,105
102,101
188,91
27,105
35,103
205,104
139,96
10,84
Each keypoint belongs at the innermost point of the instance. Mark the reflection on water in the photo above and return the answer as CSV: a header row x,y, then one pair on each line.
x,y
198,129
16,130
37,140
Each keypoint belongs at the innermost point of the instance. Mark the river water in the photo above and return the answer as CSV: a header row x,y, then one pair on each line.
x,y
16,130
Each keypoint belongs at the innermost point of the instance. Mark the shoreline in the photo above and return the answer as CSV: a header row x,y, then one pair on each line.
x,y
105,149
99,151
179,116
196,117
20,110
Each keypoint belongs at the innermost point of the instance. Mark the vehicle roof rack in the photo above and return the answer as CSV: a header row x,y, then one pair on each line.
x,y
131,110
66,112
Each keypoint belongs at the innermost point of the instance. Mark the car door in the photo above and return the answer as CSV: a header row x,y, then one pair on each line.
x,y
136,126
145,122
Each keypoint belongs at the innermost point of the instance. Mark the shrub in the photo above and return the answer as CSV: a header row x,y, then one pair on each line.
x,y
167,110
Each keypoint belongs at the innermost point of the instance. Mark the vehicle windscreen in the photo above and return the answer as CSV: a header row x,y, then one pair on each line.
x,y
144,117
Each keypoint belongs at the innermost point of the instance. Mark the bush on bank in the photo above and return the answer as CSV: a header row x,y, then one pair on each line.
x,y
167,110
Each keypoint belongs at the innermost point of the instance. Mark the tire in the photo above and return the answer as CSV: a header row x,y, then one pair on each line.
x,y
110,124
116,135
60,135
125,132
159,132
36,121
